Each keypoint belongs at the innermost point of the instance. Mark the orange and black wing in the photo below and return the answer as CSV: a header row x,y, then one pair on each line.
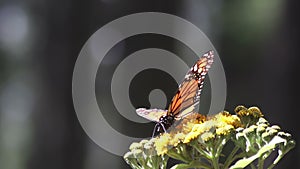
x,y
188,94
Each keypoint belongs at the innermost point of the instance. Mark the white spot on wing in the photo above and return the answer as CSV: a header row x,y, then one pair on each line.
x,y
195,67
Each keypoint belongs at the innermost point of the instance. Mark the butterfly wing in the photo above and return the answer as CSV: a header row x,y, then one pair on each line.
x,y
188,94
151,114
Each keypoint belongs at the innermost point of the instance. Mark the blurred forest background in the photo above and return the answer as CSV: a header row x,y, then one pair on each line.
x,y
40,41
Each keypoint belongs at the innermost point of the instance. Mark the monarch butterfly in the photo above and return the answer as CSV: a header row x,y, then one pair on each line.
x,y
185,100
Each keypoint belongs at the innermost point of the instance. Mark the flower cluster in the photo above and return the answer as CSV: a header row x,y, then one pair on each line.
x,y
143,155
259,139
199,142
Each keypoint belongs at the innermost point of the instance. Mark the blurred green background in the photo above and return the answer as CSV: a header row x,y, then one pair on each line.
x,y
257,42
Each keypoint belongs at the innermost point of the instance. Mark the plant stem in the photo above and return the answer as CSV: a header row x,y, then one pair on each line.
x,y
260,163
230,158
252,166
202,152
271,166
215,163
215,159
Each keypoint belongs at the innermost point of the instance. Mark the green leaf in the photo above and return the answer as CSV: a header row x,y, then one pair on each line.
x,y
270,146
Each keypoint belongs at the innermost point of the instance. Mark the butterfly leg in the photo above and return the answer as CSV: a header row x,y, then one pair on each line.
x,y
155,130
163,127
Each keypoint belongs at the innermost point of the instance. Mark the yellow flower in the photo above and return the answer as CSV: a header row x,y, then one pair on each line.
x,y
252,111
197,137
241,111
176,139
227,118
190,136
198,129
188,127
248,116
149,148
220,124
224,130
255,112
161,143
189,121
207,136
194,126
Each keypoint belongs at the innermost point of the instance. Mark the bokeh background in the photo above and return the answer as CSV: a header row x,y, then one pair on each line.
x,y
257,41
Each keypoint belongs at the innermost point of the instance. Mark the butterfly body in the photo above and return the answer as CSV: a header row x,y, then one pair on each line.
x,y
165,122
185,100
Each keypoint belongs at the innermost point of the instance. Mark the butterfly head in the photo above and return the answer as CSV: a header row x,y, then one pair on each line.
x,y
165,122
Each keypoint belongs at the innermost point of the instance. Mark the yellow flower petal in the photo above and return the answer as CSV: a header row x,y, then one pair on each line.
x,y
176,139
198,129
161,143
207,136
224,130
227,118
